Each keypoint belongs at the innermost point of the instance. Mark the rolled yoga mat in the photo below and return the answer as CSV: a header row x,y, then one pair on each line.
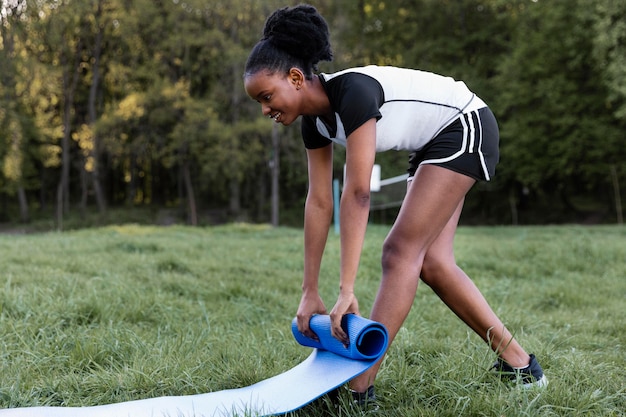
x,y
329,366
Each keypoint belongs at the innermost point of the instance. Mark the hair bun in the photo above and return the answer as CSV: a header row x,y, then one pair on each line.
x,y
300,31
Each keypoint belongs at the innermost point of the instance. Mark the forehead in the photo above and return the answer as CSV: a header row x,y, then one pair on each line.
x,y
260,82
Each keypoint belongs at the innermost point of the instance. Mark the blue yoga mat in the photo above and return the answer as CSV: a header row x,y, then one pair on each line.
x,y
329,366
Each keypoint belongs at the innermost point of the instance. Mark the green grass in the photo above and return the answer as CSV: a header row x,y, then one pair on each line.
x,y
118,313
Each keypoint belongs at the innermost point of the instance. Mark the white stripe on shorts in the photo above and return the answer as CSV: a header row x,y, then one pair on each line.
x,y
469,133
457,153
480,149
472,132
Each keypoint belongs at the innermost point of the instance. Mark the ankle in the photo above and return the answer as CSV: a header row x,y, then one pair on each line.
x,y
365,399
518,361
358,386
367,390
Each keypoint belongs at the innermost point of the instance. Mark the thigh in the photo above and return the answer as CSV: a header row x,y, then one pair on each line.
x,y
441,251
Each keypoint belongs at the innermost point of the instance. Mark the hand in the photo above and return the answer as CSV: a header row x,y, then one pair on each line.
x,y
310,304
346,304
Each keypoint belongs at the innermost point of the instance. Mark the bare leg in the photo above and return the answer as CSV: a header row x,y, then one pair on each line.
x,y
422,236
460,294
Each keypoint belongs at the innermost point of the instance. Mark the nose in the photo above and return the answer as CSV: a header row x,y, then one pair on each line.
x,y
265,109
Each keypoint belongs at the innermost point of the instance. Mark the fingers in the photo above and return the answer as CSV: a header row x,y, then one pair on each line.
x,y
345,305
310,304
304,327
336,329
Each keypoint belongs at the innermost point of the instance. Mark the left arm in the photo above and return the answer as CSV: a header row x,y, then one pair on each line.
x,y
354,212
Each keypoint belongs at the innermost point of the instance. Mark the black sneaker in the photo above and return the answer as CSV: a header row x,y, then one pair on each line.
x,y
529,377
366,400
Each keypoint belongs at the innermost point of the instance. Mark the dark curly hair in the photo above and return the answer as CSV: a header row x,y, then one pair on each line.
x,y
293,37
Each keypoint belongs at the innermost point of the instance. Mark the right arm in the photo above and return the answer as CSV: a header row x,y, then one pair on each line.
x,y
318,212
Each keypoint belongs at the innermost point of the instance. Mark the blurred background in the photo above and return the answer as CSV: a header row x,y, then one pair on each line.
x,y
134,110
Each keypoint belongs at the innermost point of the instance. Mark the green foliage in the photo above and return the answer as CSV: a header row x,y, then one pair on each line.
x,y
169,98
17,136
129,312
609,41
548,88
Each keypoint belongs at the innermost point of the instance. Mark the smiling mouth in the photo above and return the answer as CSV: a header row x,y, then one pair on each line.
x,y
275,116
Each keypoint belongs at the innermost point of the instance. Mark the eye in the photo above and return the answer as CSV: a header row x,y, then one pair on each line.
x,y
267,97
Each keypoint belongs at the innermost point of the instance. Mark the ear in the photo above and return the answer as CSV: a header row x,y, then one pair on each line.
x,y
296,77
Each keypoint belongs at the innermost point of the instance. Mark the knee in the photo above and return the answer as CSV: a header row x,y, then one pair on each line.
x,y
391,252
397,257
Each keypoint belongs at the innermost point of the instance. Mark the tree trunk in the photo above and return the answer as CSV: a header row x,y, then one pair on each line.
x,y
618,197
84,186
234,204
131,192
191,199
8,79
513,205
24,212
234,184
275,174
63,187
96,150
70,81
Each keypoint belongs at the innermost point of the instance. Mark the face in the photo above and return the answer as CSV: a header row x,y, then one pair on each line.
x,y
277,93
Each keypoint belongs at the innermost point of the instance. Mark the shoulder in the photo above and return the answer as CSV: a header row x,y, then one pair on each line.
x,y
352,82
355,96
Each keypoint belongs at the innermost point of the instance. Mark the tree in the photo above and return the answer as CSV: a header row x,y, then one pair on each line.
x,y
91,167
141,102
14,123
56,39
548,88
610,52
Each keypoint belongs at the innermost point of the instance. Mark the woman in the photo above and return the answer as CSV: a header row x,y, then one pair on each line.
x,y
453,137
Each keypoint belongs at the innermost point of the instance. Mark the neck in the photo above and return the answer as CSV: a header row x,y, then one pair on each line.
x,y
317,99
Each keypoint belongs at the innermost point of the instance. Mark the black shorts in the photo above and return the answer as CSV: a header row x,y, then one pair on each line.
x,y
469,145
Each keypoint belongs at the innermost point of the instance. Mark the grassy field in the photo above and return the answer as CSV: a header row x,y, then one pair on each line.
x,y
127,312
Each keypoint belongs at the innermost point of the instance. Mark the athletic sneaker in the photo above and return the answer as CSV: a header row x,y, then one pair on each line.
x,y
365,400
529,377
